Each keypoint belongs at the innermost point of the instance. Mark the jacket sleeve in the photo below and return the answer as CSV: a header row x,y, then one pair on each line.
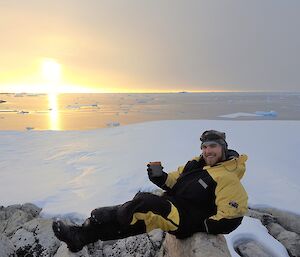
x,y
167,180
173,176
231,202
159,181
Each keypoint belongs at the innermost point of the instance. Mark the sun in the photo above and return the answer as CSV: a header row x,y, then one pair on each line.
x,y
51,72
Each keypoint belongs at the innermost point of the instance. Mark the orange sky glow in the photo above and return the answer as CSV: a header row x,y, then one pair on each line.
x,y
149,46
48,75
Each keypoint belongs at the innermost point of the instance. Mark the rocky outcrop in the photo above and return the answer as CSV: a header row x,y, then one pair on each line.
x,y
24,233
14,216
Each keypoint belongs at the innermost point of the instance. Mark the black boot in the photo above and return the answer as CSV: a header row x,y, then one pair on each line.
x,y
101,225
71,235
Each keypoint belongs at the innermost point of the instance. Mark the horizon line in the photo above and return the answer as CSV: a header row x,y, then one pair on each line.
x,y
154,92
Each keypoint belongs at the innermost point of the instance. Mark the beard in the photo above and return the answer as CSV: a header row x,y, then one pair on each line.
x,y
212,159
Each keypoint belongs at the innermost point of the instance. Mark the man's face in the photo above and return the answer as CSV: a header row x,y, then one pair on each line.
x,y
212,153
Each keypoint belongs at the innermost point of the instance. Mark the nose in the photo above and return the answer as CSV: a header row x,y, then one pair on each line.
x,y
207,149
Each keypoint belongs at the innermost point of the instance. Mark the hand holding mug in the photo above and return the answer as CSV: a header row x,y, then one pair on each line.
x,y
154,169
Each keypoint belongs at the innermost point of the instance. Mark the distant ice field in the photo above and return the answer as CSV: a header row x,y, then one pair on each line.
x,y
92,111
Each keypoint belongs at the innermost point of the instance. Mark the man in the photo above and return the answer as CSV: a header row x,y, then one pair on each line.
x,y
205,195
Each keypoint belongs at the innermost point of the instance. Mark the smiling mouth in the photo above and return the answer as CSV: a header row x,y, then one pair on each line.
x,y
210,156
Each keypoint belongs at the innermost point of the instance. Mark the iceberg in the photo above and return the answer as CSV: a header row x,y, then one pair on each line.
x,y
265,113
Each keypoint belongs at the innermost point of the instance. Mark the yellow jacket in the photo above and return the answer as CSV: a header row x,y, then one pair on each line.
x,y
195,186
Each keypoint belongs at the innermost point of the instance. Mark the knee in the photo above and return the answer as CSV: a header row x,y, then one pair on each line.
x,y
104,214
138,203
142,196
88,222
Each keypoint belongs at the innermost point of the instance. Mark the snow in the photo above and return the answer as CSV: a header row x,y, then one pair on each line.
x,y
76,171
252,229
238,114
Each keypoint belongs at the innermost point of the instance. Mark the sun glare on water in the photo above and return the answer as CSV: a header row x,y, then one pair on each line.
x,y
51,71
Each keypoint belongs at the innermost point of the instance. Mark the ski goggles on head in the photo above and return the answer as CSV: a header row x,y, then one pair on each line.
x,y
211,143
212,135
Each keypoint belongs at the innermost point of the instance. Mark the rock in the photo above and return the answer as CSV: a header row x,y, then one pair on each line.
x,y
31,209
264,217
63,251
15,221
283,226
13,216
30,235
145,245
11,209
289,221
96,249
199,245
290,240
250,249
35,237
3,225
6,247
2,213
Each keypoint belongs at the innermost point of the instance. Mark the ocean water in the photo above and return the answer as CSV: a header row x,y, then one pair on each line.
x,y
91,111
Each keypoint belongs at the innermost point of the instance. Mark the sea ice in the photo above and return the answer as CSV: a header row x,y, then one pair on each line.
x,y
113,124
266,113
238,114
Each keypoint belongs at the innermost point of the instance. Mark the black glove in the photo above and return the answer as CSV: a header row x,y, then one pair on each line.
x,y
155,170
156,174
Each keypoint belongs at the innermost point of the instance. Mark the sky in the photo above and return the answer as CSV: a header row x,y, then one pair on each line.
x,y
149,46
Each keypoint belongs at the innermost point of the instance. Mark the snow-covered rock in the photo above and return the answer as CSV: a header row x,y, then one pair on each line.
x,y
6,247
12,217
145,245
36,236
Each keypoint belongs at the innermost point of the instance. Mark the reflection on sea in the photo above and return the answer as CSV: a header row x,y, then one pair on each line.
x,y
93,111
54,121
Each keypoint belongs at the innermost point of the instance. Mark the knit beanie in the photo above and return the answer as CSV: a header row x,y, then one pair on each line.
x,y
214,136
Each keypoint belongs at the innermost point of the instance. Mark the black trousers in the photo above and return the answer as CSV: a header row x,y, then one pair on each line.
x,y
154,211
144,213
